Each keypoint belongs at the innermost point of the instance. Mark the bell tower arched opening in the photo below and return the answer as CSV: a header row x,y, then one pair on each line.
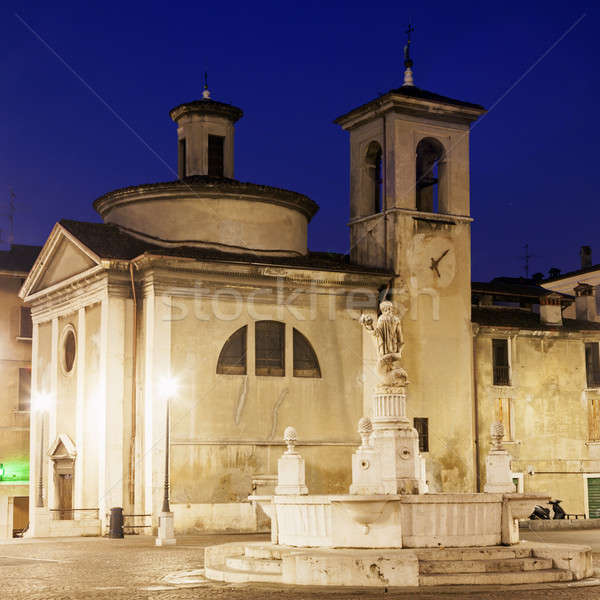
x,y
373,189
431,176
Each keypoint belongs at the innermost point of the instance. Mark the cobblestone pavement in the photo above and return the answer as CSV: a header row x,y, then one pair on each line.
x,y
133,568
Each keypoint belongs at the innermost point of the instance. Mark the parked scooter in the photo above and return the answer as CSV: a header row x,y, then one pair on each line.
x,y
543,513
559,513
540,512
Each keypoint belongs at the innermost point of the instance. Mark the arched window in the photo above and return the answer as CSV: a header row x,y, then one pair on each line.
x,y
270,348
232,360
374,186
305,359
430,176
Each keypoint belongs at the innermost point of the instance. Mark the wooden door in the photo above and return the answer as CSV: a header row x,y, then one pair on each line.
x,y
64,491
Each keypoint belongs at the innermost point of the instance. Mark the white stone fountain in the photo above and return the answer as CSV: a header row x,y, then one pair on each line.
x,y
389,530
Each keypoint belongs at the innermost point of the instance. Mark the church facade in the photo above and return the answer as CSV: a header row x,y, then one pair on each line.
x,y
206,284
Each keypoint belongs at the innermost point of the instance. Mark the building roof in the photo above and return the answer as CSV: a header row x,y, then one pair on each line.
x,y
470,113
590,269
413,91
109,241
516,288
521,318
19,258
207,106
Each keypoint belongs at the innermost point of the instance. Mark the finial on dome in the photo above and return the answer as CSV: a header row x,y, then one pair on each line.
x,y
206,91
408,63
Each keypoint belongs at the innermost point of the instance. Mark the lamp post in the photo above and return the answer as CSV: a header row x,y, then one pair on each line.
x,y
166,524
40,406
165,505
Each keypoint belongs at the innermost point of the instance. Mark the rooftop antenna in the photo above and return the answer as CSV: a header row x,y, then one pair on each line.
x,y
206,91
408,63
11,217
526,257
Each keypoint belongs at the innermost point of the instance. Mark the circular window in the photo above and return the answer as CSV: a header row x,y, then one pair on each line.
x,y
69,349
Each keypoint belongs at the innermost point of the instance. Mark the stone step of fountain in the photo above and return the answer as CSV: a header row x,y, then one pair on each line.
x,y
262,552
478,553
253,565
224,573
490,565
499,578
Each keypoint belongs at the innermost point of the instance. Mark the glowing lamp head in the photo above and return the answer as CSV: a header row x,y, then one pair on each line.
x,y
168,387
40,403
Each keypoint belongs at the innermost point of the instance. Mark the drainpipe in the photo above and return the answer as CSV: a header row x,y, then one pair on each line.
x,y
133,395
476,411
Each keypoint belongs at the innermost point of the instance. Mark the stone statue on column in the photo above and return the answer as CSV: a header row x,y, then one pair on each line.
x,y
390,343
390,463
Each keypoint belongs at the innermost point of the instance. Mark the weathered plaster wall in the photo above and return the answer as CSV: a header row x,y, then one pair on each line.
x,y
226,429
550,410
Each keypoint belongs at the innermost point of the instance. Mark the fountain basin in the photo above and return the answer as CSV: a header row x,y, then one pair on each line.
x,y
396,521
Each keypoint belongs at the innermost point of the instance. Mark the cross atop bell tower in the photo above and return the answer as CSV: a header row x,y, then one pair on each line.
x,y
408,63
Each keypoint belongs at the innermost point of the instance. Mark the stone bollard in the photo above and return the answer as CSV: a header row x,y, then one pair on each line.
x,y
290,468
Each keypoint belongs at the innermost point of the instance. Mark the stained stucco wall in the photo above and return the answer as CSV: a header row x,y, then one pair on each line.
x,y
550,410
226,429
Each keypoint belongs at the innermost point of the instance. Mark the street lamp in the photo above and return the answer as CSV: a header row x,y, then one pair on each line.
x,y
40,404
168,388
166,526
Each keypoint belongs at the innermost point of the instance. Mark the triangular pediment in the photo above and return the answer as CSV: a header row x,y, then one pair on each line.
x,y
62,447
63,258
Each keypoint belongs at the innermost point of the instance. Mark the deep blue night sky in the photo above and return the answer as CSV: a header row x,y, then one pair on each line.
x,y
294,67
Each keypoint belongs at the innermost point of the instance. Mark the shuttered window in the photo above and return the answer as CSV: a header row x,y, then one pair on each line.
x,y
500,362
592,364
305,359
593,489
232,360
25,323
270,348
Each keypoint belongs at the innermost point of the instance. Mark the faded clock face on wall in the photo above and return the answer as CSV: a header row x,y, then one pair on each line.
x,y
432,260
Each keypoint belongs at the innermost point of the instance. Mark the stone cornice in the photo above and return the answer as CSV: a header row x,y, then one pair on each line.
x,y
393,101
491,330
207,107
180,276
416,214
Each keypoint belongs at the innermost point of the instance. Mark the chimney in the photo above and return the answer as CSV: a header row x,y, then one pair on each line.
x,y
586,256
585,302
550,310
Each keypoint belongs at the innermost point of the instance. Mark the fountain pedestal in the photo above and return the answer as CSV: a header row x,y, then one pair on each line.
x,y
388,461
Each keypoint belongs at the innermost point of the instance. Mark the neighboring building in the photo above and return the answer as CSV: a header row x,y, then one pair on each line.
x,y
567,283
539,373
15,374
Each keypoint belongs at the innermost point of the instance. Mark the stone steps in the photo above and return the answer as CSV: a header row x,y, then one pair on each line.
x,y
482,553
497,578
224,573
490,565
262,552
253,565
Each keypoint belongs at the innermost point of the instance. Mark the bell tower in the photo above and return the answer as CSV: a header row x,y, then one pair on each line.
x,y
410,213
